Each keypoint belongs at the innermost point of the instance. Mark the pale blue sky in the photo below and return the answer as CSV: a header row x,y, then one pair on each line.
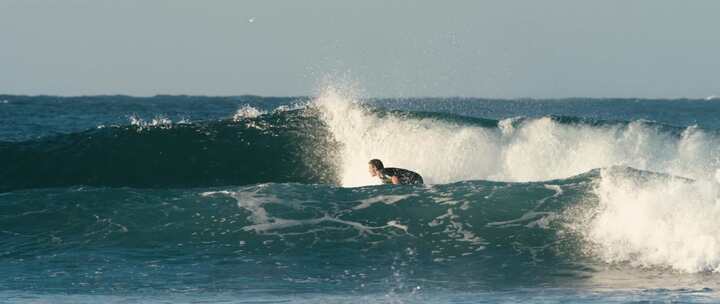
x,y
607,48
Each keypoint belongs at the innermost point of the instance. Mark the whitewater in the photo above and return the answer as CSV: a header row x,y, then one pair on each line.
x,y
255,199
668,222
517,149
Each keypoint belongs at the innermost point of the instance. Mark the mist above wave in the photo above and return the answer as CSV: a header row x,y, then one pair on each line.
x,y
531,149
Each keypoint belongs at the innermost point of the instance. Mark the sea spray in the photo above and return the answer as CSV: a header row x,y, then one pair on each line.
x,y
531,149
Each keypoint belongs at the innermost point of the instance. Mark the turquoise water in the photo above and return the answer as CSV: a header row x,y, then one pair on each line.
x,y
180,199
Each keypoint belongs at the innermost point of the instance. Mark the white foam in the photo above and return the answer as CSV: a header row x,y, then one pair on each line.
x,y
533,219
213,193
558,191
456,229
656,222
254,199
253,202
397,225
295,106
158,121
533,150
278,223
385,199
247,111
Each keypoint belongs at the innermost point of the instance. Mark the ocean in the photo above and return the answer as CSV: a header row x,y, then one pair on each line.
x,y
248,199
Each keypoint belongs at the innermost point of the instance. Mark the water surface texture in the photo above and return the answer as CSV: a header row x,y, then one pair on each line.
x,y
180,199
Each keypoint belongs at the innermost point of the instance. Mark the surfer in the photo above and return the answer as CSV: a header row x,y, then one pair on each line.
x,y
395,176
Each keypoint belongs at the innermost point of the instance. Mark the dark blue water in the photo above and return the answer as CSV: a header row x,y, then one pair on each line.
x,y
251,199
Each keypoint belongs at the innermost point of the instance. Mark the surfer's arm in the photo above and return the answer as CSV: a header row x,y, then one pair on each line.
x,y
395,180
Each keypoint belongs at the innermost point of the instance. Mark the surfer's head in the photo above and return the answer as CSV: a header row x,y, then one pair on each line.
x,y
374,166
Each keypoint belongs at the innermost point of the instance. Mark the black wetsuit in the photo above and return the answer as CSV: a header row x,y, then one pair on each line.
x,y
406,177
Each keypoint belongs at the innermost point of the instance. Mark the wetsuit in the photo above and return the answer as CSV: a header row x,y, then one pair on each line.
x,y
406,177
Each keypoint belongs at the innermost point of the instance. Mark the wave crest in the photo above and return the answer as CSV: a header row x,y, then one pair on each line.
x,y
517,149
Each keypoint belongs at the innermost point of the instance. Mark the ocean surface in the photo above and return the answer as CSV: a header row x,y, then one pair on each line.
x,y
246,199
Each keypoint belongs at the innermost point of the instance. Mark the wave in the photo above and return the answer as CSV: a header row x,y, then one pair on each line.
x,y
515,149
282,146
284,196
616,215
331,139
441,222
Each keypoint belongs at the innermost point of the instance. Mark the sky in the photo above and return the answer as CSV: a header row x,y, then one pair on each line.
x,y
494,49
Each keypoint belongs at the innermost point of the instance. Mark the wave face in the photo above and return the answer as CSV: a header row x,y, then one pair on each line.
x,y
474,234
283,146
290,232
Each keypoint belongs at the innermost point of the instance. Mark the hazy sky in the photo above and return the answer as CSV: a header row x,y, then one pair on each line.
x,y
649,48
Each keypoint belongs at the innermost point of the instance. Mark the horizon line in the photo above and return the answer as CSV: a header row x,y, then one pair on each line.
x,y
709,97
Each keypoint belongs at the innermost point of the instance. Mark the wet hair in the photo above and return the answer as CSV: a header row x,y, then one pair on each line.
x,y
377,164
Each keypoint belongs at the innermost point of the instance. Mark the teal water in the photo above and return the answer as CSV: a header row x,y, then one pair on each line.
x,y
248,199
